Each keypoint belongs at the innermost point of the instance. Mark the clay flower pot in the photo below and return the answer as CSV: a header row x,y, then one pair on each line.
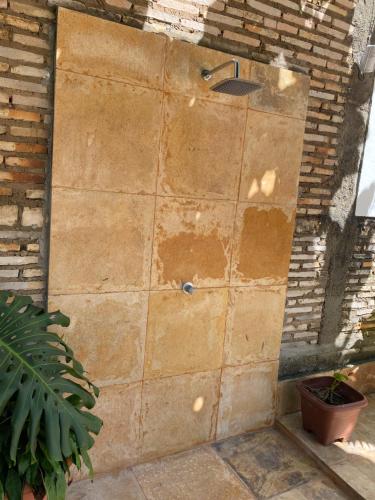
x,y
329,422
28,494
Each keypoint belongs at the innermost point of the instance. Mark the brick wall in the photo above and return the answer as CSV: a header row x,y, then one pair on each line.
x,y
313,36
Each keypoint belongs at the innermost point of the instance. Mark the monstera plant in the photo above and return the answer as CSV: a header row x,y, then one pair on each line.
x,y
45,398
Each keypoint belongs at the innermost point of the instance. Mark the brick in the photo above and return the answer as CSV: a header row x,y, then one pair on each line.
x,y
342,25
31,10
296,42
32,217
20,55
16,161
9,273
33,247
312,59
8,215
265,9
287,27
119,4
9,247
19,23
31,71
222,19
35,194
300,21
328,30
19,114
330,54
237,37
32,273
37,133
22,147
31,41
32,101
22,285
23,85
5,191
21,177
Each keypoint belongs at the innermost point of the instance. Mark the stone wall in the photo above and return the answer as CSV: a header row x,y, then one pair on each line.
x,y
314,36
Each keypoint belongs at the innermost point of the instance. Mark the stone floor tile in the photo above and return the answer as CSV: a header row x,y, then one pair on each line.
x,y
193,475
292,423
267,462
117,486
317,489
352,461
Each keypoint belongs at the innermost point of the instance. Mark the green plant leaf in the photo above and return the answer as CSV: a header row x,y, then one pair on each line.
x,y
13,485
340,377
33,366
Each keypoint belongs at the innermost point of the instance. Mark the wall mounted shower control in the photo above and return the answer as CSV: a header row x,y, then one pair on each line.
x,y
188,288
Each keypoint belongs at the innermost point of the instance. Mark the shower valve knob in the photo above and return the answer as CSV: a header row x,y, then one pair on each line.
x,y
188,288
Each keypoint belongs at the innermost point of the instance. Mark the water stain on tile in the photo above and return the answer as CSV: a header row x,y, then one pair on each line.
x,y
262,247
192,243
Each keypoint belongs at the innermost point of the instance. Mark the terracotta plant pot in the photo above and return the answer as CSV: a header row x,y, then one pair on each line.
x,y
328,422
28,494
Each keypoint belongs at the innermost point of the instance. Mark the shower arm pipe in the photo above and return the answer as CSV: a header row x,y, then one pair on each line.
x,y
207,73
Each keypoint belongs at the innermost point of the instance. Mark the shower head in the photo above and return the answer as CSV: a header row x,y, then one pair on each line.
x,y
236,86
232,86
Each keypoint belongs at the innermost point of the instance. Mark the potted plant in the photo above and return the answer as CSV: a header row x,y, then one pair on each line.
x,y
45,425
330,407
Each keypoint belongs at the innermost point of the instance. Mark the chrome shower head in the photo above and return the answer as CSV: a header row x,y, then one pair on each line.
x,y
233,86
236,86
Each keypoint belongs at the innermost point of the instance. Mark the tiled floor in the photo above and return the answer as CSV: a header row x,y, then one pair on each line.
x,y
353,462
261,465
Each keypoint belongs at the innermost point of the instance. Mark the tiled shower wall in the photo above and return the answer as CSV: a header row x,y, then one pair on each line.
x,y
157,180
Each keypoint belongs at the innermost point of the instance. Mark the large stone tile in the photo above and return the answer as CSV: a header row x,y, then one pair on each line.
x,y
272,159
254,326
100,242
118,444
358,472
267,462
92,46
185,333
316,489
285,92
202,147
184,64
113,135
262,245
193,475
179,412
192,243
107,333
247,398
121,485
